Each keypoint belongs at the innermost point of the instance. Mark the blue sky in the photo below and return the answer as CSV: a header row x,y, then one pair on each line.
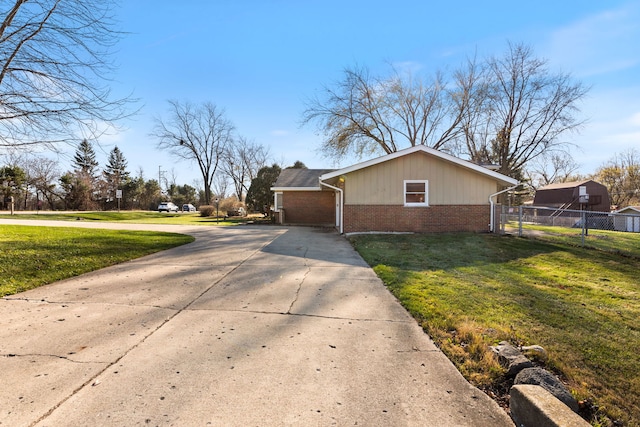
x,y
260,60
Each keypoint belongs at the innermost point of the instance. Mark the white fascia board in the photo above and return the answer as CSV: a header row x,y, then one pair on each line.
x,y
280,189
628,208
444,156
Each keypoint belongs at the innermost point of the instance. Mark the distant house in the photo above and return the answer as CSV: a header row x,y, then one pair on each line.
x,y
628,220
418,189
566,196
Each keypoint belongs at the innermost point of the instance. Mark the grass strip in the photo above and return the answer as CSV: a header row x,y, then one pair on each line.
x,y
35,256
470,291
141,217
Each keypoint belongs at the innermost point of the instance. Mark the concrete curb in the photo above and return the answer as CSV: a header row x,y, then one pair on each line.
x,y
533,406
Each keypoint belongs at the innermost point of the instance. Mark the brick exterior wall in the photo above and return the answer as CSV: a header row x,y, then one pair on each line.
x,y
432,219
309,207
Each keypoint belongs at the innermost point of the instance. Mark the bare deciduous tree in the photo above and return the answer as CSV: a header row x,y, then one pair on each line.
x,y
503,110
365,115
621,176
54,70
550,168
198,133
243,160
43,173
519,109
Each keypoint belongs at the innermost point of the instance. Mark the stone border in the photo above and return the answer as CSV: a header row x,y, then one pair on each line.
x,y
537,398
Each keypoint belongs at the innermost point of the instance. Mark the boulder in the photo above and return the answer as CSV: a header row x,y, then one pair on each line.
x,y
511,358
548,381
535,351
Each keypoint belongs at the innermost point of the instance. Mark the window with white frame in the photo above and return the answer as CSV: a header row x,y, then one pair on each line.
x,y
416,192
277,202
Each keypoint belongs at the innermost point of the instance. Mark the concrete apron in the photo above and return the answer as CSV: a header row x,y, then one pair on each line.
x,y
245,326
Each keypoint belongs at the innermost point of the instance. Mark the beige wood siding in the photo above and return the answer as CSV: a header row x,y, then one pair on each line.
x,y
449,184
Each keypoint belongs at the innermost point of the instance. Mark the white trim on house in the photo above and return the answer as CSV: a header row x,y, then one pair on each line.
x,y
295,189
276,205
425,201
503,179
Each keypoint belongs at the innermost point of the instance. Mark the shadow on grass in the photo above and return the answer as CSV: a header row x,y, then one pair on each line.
x,y
581,304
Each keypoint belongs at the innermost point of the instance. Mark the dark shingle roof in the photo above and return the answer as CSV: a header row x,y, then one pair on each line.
x,y
300,178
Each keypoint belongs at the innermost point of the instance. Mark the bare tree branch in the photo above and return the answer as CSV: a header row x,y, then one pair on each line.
x,y
242,161
197,133
54,72
366,115
521,110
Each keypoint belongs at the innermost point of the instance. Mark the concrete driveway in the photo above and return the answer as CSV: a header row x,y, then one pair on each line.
x,y
247,326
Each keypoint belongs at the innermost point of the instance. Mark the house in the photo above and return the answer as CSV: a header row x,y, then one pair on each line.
x,y
628,219
305,202
417,189
567,196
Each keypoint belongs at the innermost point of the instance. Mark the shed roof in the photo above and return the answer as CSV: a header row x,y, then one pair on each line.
x,y
572,184
629,210
299,179
502,179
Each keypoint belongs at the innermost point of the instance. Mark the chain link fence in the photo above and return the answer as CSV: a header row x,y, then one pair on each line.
x,y
570,224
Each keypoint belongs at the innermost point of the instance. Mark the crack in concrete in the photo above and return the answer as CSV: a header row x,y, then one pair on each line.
x,y
295,299
318,316
304,256
52,356
63,303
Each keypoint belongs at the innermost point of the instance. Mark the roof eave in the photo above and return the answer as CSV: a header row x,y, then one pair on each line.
x,y
296,188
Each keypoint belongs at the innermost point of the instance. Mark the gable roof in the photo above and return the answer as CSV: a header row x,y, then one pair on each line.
x,y
629,210
503,179
299,179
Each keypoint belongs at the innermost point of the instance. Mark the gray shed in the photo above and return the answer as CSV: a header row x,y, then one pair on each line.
x,y
628,220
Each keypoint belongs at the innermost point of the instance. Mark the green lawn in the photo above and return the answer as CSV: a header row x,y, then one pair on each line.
x,y
470,291
35,256
138,217
604,240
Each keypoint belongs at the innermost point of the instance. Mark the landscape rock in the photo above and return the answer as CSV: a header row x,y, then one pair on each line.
x,y
511,358
535,351
548,381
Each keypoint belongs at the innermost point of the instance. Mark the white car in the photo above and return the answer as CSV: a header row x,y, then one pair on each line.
x,y
167,207
188,207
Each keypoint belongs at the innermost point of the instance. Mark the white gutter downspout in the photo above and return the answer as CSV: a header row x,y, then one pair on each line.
x,y
341,203
492,222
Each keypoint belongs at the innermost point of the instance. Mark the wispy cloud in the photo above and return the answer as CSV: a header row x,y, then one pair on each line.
x,y
407,67
279,132
600,43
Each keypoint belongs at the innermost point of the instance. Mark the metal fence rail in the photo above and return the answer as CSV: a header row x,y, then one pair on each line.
x,y
522,220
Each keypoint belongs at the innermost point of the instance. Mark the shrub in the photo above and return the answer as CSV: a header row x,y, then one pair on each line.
x,y
207,210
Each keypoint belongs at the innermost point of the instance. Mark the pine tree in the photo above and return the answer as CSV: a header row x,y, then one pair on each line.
x,y
115,174
116,170
85,159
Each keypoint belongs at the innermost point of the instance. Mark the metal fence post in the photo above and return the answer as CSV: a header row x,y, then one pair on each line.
x,y
520,221
584,225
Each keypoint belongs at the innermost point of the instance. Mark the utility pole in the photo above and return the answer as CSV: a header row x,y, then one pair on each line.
x,y
160,172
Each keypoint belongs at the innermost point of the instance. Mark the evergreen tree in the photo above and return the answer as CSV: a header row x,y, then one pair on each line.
x,y
12,182
116,170
298,165
85,159
260,194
